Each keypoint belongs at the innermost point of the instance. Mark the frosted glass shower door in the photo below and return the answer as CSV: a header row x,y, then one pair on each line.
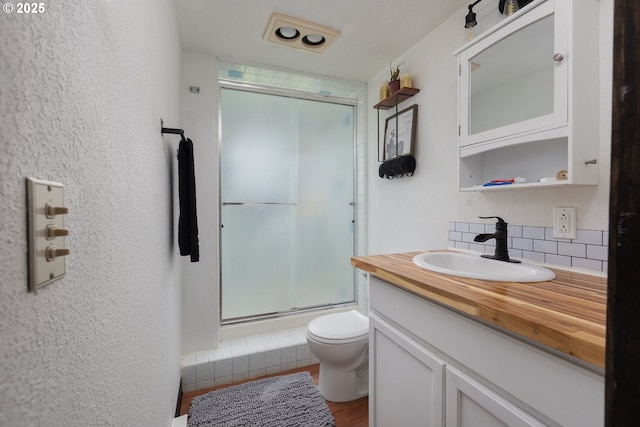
x,y
286,216
325,217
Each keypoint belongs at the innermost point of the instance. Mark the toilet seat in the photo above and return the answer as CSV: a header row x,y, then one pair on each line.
x,y
339,328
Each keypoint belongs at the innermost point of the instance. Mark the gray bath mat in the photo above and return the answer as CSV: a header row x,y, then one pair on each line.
x,y
283,401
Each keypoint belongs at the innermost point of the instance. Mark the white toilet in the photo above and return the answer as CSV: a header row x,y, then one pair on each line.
x,y
341,342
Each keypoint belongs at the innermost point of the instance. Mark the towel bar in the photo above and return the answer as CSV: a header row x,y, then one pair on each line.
x,y
174,131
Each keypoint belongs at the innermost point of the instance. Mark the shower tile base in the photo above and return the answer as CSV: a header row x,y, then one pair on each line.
x,y
246,358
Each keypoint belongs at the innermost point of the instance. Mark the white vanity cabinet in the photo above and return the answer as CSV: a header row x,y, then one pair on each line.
x,y
472,404
431,366
528,98
408,379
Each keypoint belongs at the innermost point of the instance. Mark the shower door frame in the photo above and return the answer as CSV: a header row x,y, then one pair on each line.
x,y
226,84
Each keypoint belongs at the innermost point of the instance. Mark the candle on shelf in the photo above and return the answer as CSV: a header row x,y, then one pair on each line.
x,y
405,80
384,90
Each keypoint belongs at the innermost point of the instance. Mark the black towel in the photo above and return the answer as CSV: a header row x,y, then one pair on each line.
x,y
188,221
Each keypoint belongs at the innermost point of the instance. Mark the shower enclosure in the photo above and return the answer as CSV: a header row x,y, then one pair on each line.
x,y
287,211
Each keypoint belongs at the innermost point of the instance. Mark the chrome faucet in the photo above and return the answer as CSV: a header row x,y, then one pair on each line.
x,y
501,253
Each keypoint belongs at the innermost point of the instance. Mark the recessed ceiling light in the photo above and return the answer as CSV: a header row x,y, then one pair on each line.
x,y
286,30
287,33
313,39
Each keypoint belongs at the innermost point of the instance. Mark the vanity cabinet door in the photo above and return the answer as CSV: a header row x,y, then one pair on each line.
x,y
472,404
406,380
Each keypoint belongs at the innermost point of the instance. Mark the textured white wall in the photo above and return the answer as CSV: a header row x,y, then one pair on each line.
x,y
82,89
200,293
412,213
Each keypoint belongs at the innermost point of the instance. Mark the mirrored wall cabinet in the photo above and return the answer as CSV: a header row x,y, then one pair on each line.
x,y
528,99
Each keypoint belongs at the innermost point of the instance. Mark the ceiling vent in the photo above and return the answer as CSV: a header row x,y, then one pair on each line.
x,y
298,33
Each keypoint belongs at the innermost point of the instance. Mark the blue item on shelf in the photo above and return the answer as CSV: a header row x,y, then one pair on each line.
x,y
494,183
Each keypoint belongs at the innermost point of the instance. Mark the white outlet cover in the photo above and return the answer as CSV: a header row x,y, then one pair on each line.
x,y
564,222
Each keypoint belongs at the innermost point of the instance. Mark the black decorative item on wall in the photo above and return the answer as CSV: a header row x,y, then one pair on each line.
x,y
399,140
397,167
395,149
400,133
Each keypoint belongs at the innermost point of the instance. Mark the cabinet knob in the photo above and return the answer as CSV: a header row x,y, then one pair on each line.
x,y
558,57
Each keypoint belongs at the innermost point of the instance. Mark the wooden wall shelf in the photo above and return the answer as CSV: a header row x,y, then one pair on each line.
x,y
396,98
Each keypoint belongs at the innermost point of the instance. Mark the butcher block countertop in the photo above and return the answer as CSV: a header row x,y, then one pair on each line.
x,y
567,313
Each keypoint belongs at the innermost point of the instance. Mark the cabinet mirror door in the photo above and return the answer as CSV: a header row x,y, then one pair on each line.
x,y
512,80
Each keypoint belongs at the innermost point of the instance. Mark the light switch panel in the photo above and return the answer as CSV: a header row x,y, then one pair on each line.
x,y
47,248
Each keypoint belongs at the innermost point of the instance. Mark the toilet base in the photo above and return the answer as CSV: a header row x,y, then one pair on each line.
x,y
339,386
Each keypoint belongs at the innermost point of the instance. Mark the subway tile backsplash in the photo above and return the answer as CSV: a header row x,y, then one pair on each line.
x,y
589,250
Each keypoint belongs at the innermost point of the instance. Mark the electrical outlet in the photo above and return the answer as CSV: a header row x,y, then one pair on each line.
x,y
564,222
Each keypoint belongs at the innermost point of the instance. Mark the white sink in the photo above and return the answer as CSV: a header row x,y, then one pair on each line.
x,y
476,267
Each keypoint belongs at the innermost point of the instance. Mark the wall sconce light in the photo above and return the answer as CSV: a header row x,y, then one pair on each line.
x,y
470,19
507,7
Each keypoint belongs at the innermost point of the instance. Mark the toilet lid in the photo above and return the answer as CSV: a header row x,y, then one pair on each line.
x,y
340,326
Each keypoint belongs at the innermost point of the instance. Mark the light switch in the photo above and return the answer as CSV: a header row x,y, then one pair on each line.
x,y
47,249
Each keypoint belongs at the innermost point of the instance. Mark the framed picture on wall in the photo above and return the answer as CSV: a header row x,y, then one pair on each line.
x,y
400,133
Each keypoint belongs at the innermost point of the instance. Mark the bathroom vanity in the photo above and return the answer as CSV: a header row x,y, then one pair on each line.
x,y
451,351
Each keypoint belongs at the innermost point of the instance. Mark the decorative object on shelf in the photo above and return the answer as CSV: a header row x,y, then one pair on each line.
x,y
509,7
394,83
384,90
406,81
400,133
394,86
397,167
506,7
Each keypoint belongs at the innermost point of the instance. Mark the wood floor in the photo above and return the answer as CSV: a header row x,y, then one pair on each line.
x,y
347,414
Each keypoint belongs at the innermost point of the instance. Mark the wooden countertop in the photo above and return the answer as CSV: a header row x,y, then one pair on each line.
x,y
567,313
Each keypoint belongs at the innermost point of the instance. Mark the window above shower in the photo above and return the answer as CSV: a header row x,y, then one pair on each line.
x,y
264,76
